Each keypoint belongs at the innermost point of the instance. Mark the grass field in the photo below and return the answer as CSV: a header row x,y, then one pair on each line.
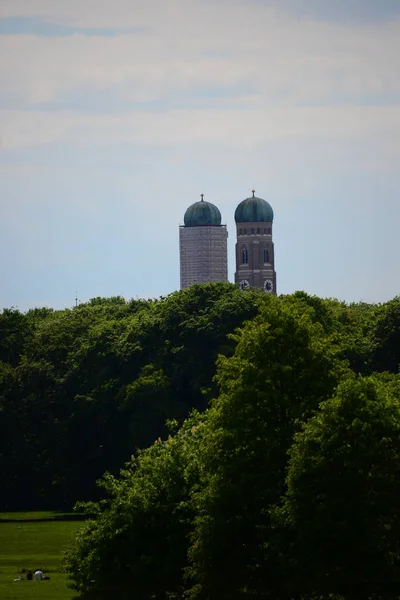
x,y
27,542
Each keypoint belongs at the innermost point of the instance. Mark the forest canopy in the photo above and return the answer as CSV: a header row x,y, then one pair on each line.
x,y
82,389
247,445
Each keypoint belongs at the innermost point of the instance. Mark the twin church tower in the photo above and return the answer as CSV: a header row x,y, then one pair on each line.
x,y
203,245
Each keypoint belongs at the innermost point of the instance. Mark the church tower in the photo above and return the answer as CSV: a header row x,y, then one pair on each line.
x,y
203,245
255,261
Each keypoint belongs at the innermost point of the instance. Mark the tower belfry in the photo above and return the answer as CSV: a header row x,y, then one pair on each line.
x,y
202,245
255,260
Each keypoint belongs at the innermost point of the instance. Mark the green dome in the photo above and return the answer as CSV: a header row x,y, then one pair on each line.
x,y
254,210
202,213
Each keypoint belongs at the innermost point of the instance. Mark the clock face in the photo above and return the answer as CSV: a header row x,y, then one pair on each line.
x,y
244,284
268,286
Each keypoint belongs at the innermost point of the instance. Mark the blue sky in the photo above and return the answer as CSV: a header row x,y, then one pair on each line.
x,y
115,116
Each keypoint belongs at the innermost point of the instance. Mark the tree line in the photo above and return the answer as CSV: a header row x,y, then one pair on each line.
x,y
82,389
260,438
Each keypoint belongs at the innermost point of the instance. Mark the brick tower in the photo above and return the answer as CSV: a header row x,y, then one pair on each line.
x,y
255,261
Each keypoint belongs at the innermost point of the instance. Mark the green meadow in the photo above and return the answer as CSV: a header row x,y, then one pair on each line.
x,y
34,541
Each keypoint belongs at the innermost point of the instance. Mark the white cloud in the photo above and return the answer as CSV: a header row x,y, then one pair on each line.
x,y
265,57
233,128
295,91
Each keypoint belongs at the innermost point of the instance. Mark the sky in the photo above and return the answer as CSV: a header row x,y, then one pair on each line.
x,y
115,115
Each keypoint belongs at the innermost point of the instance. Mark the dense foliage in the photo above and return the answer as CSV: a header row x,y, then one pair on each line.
x,y
281,484
341,505
283,367
81,389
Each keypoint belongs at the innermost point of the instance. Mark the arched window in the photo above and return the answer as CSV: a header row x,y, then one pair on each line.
x,y
245,231
252,230
258,230
240,231
245,256
265,230
266,255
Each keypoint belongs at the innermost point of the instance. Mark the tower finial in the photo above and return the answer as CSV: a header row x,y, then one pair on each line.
x,y
254,191
202,196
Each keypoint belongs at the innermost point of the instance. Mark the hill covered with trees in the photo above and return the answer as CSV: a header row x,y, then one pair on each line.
x,y
277,474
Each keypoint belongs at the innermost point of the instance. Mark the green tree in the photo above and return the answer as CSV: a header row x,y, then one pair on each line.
x,y
283,367
342,510
350,325
84,387
93,383
14,332
386,337
136,544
